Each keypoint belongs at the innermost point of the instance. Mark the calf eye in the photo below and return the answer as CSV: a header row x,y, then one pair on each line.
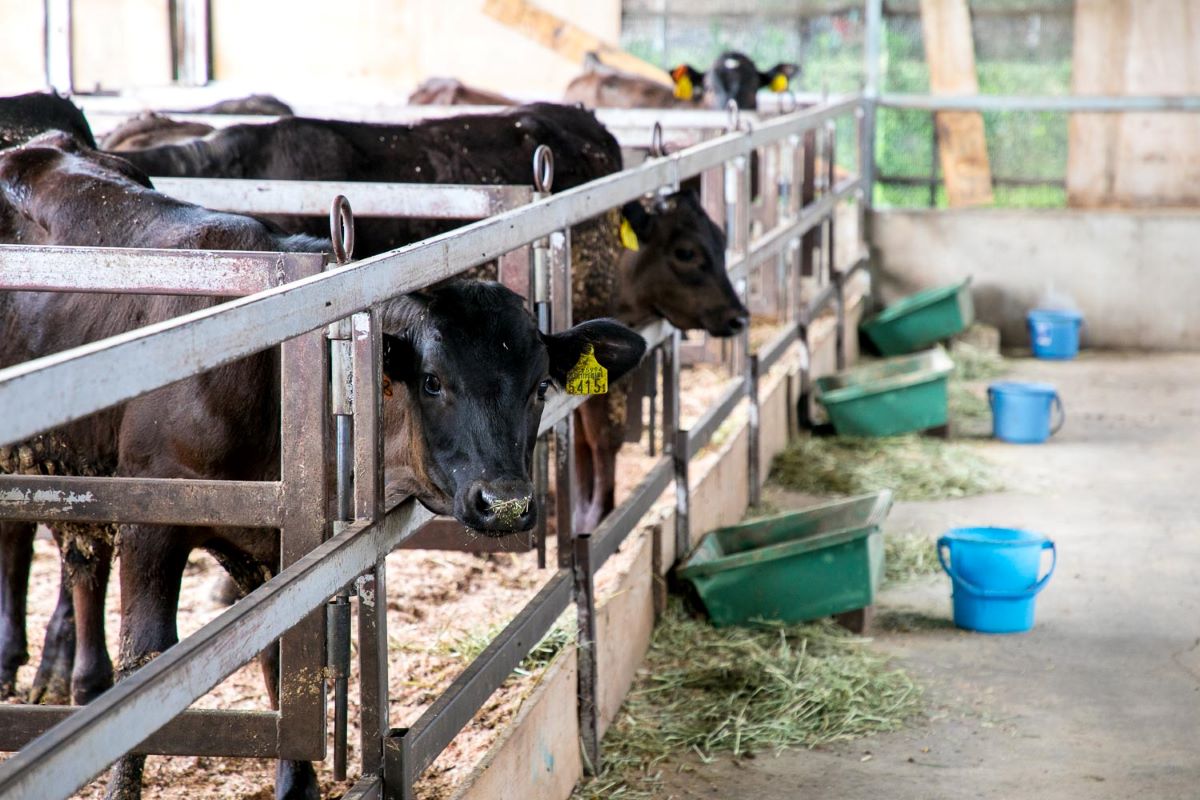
x,y
433,386
684,253
543,387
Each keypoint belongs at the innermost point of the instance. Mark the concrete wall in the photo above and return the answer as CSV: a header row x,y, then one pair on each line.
x,y
350,49
1133,274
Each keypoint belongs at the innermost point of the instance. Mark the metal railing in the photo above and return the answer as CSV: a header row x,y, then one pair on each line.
x,y
83,742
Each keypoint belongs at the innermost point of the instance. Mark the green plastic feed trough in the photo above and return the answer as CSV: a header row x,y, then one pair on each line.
x,y
922,319
889,397
792,567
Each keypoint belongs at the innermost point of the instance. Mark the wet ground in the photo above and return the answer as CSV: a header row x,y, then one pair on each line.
x,y
1102,699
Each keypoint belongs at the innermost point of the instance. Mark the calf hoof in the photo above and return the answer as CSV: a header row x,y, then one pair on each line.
x,y
50,690
86,687
296,780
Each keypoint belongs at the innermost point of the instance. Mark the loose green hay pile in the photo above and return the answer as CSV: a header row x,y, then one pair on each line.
x,y
743,691
975,363
908,557
913,467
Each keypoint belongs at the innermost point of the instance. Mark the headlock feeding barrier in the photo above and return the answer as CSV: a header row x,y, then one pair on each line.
x,y
781,254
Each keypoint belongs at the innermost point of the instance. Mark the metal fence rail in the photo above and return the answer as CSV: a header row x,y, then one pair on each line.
x,y
87,740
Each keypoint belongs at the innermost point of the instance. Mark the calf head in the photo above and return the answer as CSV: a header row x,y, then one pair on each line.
x,y
466,374
733,76
678,270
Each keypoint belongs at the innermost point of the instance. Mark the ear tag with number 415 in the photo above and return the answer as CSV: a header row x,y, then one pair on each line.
x,y
587,376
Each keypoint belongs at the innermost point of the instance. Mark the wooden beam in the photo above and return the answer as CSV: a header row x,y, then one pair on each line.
x,y
962,144
567,39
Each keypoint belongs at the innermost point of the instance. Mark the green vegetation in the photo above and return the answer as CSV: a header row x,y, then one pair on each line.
x,y
743,691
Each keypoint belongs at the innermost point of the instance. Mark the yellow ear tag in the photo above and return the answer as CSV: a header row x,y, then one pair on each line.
x,y
683,87
628,237
779,83
587,376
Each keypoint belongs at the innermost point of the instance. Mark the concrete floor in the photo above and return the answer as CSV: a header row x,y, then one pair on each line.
x,y
1102,698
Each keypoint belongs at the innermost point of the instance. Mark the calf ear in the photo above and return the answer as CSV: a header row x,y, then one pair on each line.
x,y
639,219
399,359
617,348
779,76
689,82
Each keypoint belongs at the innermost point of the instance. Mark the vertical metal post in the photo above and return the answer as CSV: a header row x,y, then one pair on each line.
x,y
368,505
585,640
808,193
304,464
190,42
675,442
337,611
60,66
754,432
540,298
652,396
873,37
564,477
933,159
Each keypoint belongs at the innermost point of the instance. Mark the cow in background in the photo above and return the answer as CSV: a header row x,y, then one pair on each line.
x,y
25,116
732,76
453,92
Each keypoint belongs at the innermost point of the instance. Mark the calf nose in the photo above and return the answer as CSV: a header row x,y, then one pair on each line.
x,y
503,506
737,323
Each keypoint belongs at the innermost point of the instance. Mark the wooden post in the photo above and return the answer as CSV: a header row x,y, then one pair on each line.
x,y
568,40
962,145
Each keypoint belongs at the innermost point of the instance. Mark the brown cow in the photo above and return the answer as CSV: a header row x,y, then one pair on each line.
x,y
453,92
468,368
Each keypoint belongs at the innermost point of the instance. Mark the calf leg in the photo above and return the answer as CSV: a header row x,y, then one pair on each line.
x,y
581,491
603,425
52,683
152,563
87,552
16,558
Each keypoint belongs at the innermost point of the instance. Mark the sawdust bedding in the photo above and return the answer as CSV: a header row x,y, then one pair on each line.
x,y
438,604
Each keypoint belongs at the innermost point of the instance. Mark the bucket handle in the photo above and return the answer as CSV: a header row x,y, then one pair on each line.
x,y
944,544
1062,414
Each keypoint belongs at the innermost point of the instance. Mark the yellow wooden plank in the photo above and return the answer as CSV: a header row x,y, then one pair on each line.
x,y
566,38
962,145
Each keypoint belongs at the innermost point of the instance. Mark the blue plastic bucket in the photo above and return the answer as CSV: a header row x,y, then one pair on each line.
x,y
995,576
1022,412
1054,333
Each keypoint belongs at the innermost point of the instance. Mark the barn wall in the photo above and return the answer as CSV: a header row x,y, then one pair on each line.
x,y
391,45
22,47
1135,160
1132,273
344,49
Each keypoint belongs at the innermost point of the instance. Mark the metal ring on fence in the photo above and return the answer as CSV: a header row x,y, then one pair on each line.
x,y
543,169
790,95
656,141
341,229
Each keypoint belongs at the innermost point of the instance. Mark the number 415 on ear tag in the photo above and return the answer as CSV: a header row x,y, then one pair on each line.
x,y
587,376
